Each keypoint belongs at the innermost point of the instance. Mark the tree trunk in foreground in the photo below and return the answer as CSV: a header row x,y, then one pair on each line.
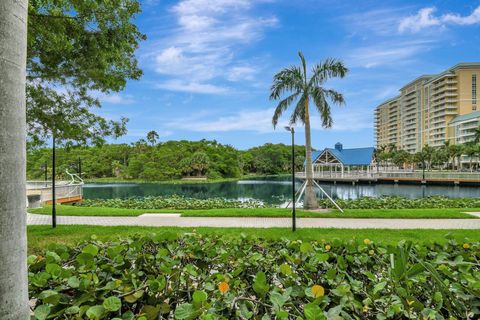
x,y
13,242
310,198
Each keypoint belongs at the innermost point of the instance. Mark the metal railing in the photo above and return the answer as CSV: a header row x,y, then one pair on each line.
x,y
407,174
63,189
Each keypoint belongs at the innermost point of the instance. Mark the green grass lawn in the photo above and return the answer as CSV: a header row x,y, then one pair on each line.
x,y
452,213
348,213
40,236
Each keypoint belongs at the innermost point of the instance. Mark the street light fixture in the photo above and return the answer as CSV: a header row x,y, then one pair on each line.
x,y
292,130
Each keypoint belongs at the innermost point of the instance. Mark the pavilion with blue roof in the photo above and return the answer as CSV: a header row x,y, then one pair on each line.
x,y
338,160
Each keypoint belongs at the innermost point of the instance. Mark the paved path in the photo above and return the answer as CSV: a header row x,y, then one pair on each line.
x,y
174,220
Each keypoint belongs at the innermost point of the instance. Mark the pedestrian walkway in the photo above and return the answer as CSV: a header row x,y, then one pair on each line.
x,y
175,220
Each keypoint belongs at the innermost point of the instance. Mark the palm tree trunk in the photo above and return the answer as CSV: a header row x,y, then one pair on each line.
x,y
310,199
13,244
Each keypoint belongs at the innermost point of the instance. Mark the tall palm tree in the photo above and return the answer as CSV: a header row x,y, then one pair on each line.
x,y
13,245
302,88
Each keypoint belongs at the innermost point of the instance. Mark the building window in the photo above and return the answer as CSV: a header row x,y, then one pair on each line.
x,y
474,91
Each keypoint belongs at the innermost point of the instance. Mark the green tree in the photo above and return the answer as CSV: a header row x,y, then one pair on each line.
x,y
440,157
199,162
301,89
13,247
152,137
471,150
401,158
78,50
428,155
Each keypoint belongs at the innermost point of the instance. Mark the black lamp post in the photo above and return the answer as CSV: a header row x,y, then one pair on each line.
x,y
54,209
294,224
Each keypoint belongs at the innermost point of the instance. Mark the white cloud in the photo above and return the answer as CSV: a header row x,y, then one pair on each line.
x,y
116,98
473,18
246,120
260,121
193,87
379,21
238,73
426,18
390,53
203,49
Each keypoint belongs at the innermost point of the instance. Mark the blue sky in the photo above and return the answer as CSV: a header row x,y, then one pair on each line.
x,y
208,64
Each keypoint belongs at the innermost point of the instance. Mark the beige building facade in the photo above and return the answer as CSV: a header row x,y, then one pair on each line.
x,y
431,110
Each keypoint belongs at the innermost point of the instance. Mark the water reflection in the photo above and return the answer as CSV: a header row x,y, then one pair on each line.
x,y
271,190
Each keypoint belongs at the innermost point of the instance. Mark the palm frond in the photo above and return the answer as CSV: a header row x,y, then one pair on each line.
x,y
334,96
299,112
322,106
289,79
282,106
330,68
304,66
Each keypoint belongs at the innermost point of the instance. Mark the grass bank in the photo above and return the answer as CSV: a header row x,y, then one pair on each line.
x,y
447,213
40,237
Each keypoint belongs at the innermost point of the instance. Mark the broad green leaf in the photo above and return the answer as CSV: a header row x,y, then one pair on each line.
x,y
260,285
278,300
322,257
54,270
95,312
49,296
72,310
91,249
151,312
112,304
73,282
186,311
379,287
313,312
199,297
85,259
41,312
286,269
134,297
306,247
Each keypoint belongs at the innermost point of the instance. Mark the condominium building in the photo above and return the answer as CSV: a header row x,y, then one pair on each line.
x,y
387,122
431,110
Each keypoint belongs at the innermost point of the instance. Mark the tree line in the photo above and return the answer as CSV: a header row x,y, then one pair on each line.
x,y
446,157
148,160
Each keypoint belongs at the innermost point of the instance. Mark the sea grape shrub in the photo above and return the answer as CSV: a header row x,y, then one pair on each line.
x,y
171,202
211,277
395,202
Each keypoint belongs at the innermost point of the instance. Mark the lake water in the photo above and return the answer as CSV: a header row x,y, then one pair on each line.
x,y
270,190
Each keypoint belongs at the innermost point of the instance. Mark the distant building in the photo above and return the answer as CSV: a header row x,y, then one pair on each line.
x,y
429,108
343,160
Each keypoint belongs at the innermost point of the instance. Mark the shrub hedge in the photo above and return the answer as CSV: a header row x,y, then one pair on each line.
x,y
170,202
211,277
395,202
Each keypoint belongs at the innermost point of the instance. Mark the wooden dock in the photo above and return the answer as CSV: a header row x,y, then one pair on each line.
x,y
40,192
